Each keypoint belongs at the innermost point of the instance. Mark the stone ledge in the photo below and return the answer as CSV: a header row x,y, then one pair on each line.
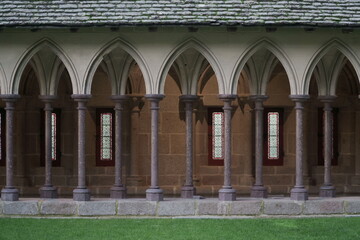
x,y
97,208
21,208
324,206
182,207
54,207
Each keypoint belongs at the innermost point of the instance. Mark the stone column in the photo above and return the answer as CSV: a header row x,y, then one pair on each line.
x,y
327,189
258,190
188,190
154,193
81,193
9,192
48,190
118,191
227,193
299,192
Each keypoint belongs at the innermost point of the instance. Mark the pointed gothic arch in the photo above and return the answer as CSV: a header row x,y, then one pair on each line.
x,y
108,48
30,53
320,53
277,52
181,48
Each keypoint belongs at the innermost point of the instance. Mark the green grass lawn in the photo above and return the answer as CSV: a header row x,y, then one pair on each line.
x,y
299,228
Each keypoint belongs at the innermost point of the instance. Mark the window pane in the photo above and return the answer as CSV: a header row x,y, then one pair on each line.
x,y
217,135
106,136
273,135
53,136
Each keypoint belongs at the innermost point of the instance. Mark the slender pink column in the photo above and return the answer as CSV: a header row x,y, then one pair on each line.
x,y
188,190
81,193
118,191
299,192
48,190
227,193
327,189
154,193
9,192
258,190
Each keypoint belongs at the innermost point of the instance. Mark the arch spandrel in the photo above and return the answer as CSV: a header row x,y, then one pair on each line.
x,y
318,56
278,53
3,81
107,49
175,54
30,52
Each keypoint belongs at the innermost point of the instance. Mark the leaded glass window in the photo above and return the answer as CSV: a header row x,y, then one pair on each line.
x,y
218,135
215,136
53,136
106,136
273,135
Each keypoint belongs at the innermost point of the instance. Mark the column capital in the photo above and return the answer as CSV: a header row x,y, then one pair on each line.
x,y
227,97
327,98
256,98
81,97
47,98
188,98
120,98
299,98
9,97
154,97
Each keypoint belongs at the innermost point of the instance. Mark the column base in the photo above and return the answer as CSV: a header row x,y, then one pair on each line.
x,y
48,192
154,194
299,194
259,192
118,192
327,191
227,194
81,194
187,192
9,194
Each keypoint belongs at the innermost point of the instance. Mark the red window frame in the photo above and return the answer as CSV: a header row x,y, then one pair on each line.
x,y
266,160
3,137
211,160
334,159
57,162
99,162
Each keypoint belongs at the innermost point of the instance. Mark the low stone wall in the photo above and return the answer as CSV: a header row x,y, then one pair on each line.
x,y
180,207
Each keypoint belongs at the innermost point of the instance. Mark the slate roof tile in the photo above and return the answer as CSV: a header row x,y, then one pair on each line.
x,y
336,13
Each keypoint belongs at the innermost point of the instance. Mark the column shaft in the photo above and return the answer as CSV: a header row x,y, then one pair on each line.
x,y
154,193
227,193
9,192
298,192
48,190
327,189
258,190
81,193
118,191
188,190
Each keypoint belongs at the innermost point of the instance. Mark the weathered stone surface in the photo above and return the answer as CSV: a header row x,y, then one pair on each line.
x,y
136,207
96,208
21,208
282,207
221,12
212,207
58,207
333,206
352,206
176,208
246,208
